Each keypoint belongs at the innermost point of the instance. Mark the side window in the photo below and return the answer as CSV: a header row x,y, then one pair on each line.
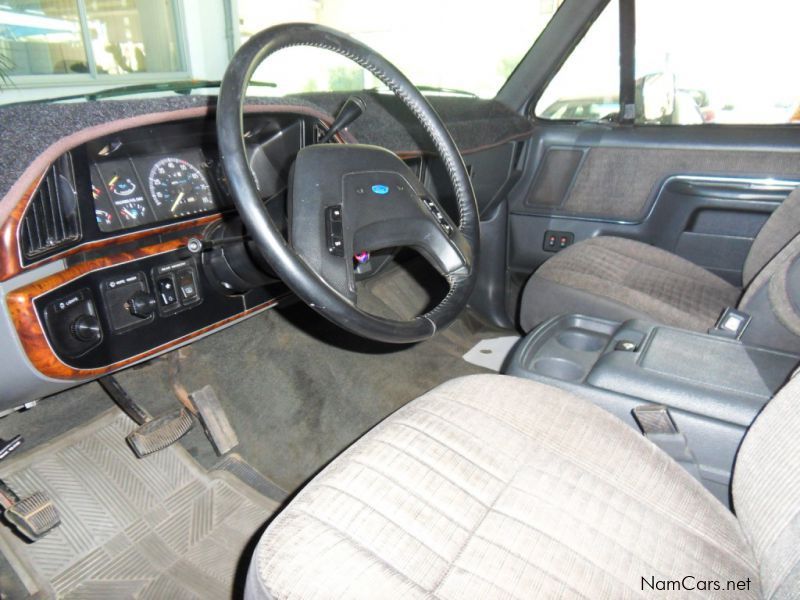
x,y
717,61
89,38
587,85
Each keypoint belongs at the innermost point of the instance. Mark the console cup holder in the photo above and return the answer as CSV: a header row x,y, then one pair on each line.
x,y
584,340
558,368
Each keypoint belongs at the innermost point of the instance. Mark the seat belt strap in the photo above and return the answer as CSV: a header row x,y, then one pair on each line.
x,y
657,426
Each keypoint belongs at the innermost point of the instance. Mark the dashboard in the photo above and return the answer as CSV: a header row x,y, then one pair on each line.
x,y
103,201
124,283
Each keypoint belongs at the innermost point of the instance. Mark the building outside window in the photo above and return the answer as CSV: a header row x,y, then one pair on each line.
x,y
89,39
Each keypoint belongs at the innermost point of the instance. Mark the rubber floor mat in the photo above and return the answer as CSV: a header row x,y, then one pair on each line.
x,y
156,527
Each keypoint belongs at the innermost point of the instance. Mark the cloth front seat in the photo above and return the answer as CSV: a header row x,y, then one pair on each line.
x,y
620,279
497,487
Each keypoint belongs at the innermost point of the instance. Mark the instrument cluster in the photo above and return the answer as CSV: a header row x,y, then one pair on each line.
x,y
131,192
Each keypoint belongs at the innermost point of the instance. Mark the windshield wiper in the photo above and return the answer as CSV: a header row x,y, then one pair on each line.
x,y
433,89
446,90
179,87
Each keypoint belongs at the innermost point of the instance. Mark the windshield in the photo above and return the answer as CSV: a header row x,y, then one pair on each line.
x,y
55,48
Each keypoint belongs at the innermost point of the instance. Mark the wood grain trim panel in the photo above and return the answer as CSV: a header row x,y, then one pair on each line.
x,y
31,332
10,264
9,248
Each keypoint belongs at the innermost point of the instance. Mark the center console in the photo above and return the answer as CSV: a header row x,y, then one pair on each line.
x,y
713,387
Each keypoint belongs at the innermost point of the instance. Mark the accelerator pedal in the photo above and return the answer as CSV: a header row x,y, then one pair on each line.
x,y
33,517
153,434
215,422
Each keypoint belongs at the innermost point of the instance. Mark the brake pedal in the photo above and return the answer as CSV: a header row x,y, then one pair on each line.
x,y
34,516
153,434
156,434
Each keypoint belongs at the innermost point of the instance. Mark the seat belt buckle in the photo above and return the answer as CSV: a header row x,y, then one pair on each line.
x,y
731,324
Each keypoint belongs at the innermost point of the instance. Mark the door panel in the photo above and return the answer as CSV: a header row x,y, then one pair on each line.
x,y
700,192
621,183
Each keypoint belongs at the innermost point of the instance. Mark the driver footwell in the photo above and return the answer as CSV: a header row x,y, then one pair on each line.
x,y
156,527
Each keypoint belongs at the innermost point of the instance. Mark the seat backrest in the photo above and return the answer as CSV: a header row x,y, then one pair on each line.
x,y
782,226
766,493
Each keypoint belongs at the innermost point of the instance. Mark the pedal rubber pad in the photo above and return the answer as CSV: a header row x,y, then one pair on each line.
x,y
214,420
158,433
34,516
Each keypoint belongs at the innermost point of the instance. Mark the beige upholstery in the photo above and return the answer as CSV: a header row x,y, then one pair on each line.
x,y
766,493
619,278
497,487
782,226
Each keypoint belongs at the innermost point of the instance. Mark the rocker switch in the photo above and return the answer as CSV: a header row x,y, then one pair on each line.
x,y
557,240
166,291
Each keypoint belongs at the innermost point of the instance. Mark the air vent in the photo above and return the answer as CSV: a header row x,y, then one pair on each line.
x,y
51,221
319,131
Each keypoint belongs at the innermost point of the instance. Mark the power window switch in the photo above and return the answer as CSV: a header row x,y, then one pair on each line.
x,y
557,240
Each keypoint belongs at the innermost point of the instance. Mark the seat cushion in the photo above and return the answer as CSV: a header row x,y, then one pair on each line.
x,y
766,492
496,487
618,279
781,228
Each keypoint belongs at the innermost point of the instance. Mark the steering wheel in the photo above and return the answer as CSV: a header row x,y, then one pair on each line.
x,y
344,199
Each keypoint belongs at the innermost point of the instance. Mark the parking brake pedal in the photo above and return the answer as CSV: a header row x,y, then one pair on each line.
x,y
34,516
153,434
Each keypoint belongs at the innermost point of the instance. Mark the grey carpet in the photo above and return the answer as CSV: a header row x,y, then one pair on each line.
x,y
297,389
132,528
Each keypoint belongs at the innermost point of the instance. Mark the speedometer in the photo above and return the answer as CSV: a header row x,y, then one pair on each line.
x,y
179,188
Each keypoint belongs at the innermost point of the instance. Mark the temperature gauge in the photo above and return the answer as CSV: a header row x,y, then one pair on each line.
x,y
103,211
127,202
104,219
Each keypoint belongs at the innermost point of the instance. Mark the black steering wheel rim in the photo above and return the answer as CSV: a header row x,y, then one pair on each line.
x,y
288,265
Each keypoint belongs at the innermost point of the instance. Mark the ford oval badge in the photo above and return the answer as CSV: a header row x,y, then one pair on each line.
x,y
380,189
